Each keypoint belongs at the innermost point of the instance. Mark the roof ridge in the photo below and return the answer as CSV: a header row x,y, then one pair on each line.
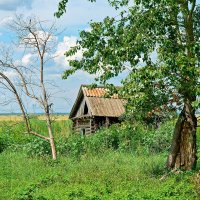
x,y
98,86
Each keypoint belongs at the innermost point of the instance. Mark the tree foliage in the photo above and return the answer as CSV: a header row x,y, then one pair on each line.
x,y
158,41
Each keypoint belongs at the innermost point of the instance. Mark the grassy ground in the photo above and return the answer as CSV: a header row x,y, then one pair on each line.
x,y
109,174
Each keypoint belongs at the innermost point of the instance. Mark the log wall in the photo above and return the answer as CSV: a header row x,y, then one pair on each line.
x,y
89,125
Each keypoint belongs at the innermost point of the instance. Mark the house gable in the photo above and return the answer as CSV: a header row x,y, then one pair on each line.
x,y
92,102
82,109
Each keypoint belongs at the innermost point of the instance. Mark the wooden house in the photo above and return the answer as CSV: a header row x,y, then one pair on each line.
x,y
93,110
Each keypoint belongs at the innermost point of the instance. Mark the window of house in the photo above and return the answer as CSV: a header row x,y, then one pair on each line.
x,y
85,109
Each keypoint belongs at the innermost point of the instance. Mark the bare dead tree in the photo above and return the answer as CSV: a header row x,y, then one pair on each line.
x,y
34,37
10,85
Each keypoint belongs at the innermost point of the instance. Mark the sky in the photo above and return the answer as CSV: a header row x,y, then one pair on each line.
x,y
79,14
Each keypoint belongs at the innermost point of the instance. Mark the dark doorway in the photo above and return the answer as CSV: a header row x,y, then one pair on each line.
x,y
83,132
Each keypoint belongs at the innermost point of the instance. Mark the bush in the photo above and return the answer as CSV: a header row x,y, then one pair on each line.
x,y
3,144
158,140
37,147
124,137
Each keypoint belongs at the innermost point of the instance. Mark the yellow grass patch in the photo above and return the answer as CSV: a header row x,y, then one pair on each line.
x,y
55,117
18,118
10,118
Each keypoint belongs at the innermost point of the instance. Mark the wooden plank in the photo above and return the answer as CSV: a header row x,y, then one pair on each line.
x,y
107,122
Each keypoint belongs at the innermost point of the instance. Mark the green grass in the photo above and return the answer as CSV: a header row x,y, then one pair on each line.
x,y
112,175
125,163
16,130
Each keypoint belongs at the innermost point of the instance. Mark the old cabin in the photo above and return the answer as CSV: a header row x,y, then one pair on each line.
x,y
93,110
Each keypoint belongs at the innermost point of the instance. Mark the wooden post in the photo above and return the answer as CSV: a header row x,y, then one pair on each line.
x,y
107,122
90,125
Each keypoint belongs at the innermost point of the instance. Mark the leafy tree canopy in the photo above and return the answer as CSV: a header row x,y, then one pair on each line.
x,y
157,40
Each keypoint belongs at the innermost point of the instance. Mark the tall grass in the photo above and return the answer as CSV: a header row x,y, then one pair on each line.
x,y
133,138
15,132
113,175
124,162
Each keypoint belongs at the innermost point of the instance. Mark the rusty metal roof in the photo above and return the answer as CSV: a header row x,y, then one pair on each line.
x,y
97,92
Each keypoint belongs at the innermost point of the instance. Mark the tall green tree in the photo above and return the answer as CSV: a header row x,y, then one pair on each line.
x,y
159,40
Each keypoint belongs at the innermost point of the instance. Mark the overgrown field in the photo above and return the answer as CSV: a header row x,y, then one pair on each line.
x,y
125,162
18,118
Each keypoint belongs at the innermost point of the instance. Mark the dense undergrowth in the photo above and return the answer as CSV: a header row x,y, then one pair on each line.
x,y
122,162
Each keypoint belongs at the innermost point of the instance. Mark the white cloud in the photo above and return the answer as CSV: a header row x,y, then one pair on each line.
x,y
10,74
26,59
42,37
88,29
61,60
5,21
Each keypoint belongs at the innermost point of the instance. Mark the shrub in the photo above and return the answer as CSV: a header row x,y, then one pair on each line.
x,y
37,147
124,137
158,140
3,144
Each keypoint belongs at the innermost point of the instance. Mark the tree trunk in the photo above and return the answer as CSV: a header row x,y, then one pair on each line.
x,y
183,149
51,138
46,108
